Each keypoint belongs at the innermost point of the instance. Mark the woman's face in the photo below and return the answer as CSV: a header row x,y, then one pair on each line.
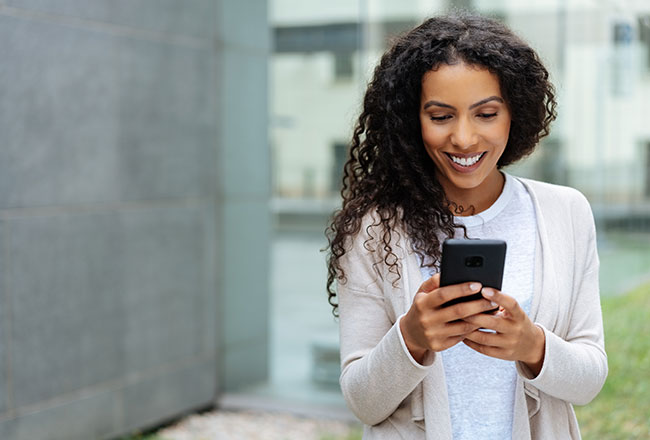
x,y
465,125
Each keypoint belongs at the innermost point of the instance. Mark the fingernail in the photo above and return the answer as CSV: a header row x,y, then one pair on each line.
x,y
475,286
488,292
494,304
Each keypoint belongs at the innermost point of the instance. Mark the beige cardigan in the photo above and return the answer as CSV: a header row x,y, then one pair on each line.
x,y
395,397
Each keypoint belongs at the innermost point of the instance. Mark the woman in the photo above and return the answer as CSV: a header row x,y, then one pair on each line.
x,y
451,103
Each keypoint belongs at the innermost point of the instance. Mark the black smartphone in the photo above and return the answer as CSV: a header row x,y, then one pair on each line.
x,y
465,260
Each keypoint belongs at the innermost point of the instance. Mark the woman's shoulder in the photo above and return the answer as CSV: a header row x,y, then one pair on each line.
x,y
562,208
377,236
377,244
375,225
552,195
549,189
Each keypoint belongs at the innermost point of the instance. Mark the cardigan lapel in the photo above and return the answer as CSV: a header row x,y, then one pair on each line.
x,y
545,278
545,312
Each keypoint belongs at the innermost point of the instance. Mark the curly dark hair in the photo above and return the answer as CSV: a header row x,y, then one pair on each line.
x,y
388,172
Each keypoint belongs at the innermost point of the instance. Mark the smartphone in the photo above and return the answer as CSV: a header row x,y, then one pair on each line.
x,y
465,260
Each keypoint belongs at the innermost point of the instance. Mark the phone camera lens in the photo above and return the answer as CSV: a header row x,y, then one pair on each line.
x,y
475,261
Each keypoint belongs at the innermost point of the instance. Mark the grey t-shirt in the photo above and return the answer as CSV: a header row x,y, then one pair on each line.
x,y
481,389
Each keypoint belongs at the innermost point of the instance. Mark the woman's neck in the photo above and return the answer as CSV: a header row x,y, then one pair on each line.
x,y
471,201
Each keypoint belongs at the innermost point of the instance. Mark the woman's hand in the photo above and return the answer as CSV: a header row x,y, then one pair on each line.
x,y
516,337
428,326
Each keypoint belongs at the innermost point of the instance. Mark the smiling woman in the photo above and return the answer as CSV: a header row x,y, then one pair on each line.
x,y
465,125
451,103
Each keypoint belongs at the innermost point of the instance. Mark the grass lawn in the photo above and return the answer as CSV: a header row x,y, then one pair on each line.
x,y
622,409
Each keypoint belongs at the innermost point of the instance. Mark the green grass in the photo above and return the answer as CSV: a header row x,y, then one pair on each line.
x,y
141,437
355,434
622,409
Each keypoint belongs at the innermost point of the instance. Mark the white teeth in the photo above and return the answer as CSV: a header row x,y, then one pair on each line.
x,y
466,161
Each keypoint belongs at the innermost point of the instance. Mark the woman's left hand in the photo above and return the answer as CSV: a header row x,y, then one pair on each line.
x,y
516,337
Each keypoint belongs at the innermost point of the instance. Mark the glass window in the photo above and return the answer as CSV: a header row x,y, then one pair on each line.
x,y
325,52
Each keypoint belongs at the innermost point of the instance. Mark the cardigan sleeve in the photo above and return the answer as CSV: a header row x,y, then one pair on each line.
x,y
377,371
575,365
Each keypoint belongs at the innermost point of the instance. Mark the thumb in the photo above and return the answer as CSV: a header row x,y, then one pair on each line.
x,y
430,284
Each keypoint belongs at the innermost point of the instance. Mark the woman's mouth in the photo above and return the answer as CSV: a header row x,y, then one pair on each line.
x,y
465,163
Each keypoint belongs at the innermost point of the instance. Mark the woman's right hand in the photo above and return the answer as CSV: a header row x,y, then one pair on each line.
x,y
428,326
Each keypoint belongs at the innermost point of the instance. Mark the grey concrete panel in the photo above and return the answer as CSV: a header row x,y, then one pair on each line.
x,y
89,417
57,115
196,18
97,296
167,120
244,24
245,284
244,157
244,366
159,397
95,118
164,286
67,304
4,324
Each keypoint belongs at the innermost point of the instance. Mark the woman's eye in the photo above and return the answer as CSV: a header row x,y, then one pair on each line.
x,y
487,115
440,118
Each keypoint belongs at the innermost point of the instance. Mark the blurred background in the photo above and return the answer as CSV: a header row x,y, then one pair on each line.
x,y
167,170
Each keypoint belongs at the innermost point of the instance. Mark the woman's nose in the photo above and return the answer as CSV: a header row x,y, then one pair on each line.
x,y
463,135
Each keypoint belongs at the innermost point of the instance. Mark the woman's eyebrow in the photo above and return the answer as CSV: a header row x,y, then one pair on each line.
x,y
438,104
476,104
483,101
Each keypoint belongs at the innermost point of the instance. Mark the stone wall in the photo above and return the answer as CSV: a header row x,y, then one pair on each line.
x,y
134,224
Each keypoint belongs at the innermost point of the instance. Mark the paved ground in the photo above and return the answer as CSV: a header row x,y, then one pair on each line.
x,y
220,425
